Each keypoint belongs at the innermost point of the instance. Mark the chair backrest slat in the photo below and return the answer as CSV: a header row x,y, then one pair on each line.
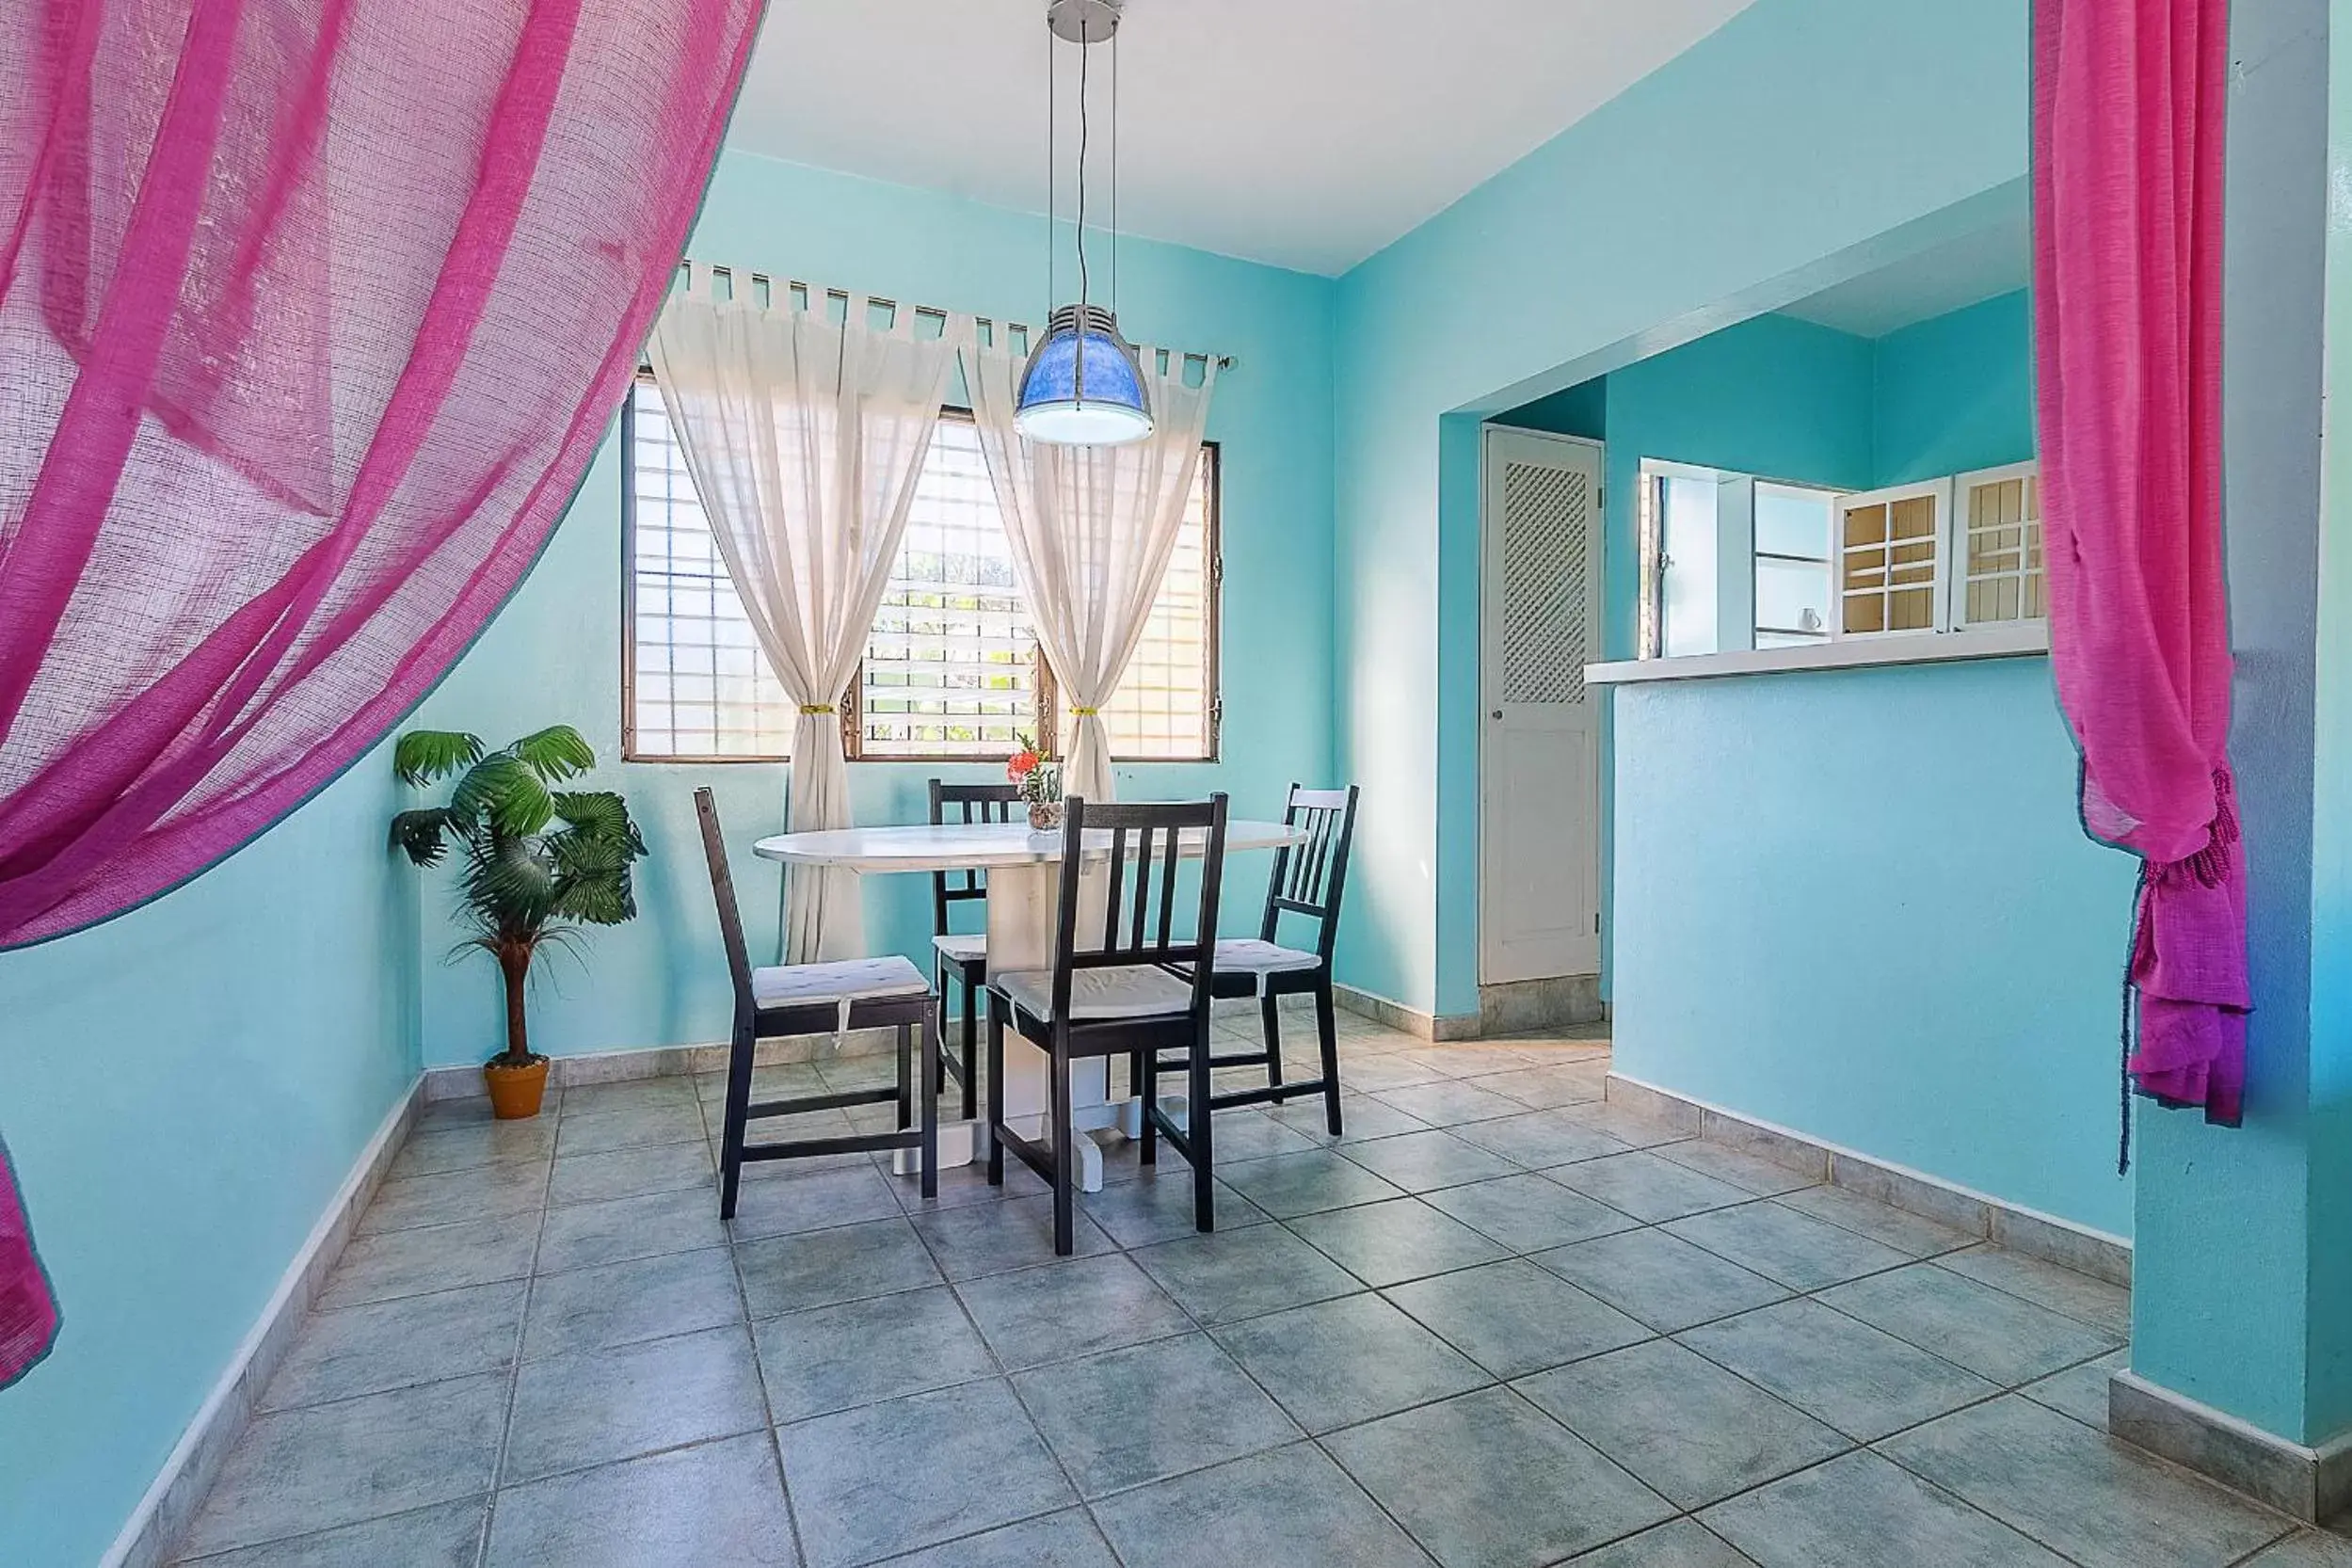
x,y
1148,832
976,803
1309,877
723,892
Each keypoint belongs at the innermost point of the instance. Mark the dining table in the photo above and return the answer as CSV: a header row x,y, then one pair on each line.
x,y
1023,869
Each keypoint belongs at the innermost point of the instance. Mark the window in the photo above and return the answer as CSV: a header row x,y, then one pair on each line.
x,y
1892,559
1794,525
1730,561
951,666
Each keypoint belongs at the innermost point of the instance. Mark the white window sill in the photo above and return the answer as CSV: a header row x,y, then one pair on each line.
x,y
2023,640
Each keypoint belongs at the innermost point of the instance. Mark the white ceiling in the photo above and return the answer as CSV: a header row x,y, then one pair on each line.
x,y
1962,271
1304,133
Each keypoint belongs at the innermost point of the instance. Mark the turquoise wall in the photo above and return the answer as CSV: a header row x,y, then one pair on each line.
x,y
555,653
1704,194
187,1088
1954,393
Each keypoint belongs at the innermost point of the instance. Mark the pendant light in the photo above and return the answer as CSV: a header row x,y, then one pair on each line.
x,y
1082,385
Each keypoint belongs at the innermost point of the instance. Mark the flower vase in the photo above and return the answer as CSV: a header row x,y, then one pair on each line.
x,y
1045,816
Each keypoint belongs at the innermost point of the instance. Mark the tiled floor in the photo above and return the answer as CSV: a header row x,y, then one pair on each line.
x,y
1501,1325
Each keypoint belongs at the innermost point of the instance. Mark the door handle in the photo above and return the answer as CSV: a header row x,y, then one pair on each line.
x,y
1498,713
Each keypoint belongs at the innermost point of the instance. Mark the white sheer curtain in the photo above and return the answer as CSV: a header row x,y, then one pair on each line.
x,y
1092,528
804,437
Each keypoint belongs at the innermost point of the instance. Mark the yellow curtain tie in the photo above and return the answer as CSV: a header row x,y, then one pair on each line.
x,y
816,708
1084,712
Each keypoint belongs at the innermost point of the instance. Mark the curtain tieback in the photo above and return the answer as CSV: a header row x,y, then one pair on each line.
x,y
1084,712
818,708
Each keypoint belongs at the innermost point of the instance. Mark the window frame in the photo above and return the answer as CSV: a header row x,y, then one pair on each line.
x,y
1963,486
1049,714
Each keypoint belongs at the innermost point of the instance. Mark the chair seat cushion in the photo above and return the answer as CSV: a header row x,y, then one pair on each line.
x,y
1138,991
964,947
848,979
1248,955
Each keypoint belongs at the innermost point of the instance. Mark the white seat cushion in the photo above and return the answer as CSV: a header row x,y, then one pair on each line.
x,y
1138,991
965,948
1248,955
850,980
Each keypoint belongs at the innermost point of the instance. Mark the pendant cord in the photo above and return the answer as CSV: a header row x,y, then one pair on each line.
x,y
1115,168
1084,51
1051,193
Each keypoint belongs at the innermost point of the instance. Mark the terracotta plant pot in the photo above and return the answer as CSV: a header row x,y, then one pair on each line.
x,y
516,1091
1045,816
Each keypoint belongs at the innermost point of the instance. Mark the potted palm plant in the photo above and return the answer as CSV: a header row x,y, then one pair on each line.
x,y
540,864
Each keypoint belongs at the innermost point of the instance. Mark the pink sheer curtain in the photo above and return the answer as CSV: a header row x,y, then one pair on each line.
x,y
2129,112
313,314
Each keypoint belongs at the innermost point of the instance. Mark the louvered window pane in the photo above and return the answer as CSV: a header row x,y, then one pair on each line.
x,y
951,664
699,686
1163,707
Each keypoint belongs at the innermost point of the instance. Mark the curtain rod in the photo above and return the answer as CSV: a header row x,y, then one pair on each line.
x,y
1224,361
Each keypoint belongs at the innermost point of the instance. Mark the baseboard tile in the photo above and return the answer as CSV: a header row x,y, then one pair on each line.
x,y
1520,1005
1406,1021
2311,1485
2021,1229
621,1066
195,1462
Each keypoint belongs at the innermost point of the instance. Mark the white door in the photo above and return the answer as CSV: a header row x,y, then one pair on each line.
x,y
1538,757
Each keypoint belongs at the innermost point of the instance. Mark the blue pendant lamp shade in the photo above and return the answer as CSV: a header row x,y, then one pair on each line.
x,y
1082,386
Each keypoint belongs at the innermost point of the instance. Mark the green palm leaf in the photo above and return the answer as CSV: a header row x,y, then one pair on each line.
x,y
421,835
555,753
427,756
509,794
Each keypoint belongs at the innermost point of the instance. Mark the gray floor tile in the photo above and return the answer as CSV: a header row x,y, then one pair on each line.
x,y
1799,1251
620,1304
493,1193
1129,1417
1528,1213
1340,1361
594,1406
626,1095
1387,1243
1470,1059
1157,1206
1513,1318
1762,1177
302,1471
1293,1184
778,1081
990,1238
1379,1074
445,1257
2094,1301
1229,1275
818,1268
847,1196
1649,1187
1070,1309
887,1479
717,1503
1910,1234
1864,1382
1424,1161
860,1353
2102,1503
1242,1135
626,1173
370,1349
966,1184
584,1234
1486,1481
446,1535
1992,1333
1360,1117
1290,1506
2082,1391
1636,1129
1539,1139
2306,1549
1683,1425
1451,1102
1861,1511
1065,1540
1548,1088
473,1145
671,1121
1660,1279
1679,1544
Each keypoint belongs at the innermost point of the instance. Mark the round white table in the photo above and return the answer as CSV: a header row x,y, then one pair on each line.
x,y
1024,894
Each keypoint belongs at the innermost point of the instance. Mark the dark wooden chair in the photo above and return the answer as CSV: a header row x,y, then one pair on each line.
x,y
1124,996
1307,882
820,998
962,954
